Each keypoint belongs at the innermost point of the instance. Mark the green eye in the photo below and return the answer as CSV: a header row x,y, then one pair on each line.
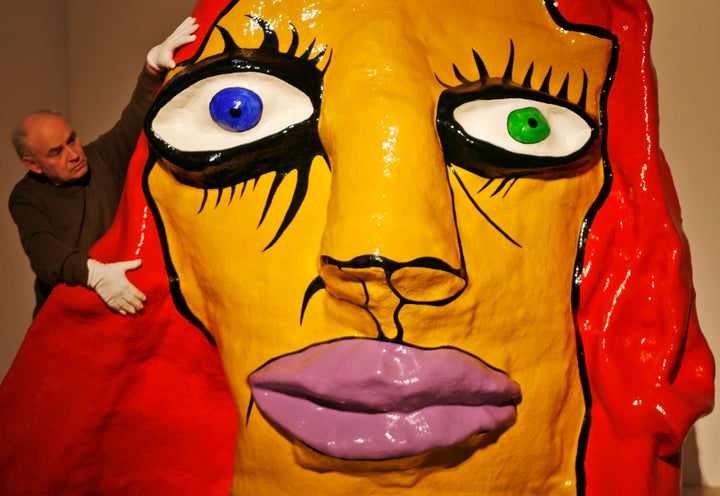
x,y
528,125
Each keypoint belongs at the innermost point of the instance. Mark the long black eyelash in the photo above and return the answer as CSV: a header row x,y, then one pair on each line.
x,y
297,199
482,70
279,176
206,194
481,211
507,77
545,86
527,82
459,75
204,201
303,181
271,42
507,181
220,195
563,93
487,183
583,96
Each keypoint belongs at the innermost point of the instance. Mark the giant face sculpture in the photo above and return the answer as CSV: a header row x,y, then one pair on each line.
x,y
376,210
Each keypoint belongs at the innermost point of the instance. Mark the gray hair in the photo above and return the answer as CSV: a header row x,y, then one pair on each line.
x,y
19,134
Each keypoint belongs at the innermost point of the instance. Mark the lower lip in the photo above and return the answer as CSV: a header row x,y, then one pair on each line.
x,y
347,413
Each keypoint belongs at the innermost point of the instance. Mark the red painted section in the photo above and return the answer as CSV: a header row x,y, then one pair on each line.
x,y
96,403
650,369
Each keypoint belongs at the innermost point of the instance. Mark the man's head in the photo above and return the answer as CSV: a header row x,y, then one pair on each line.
x,y
47,144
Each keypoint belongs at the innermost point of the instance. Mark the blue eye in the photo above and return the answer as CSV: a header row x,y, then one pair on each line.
x,y
236,109
229,110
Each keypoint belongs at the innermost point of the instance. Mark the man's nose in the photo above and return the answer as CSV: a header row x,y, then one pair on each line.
x,y
72,152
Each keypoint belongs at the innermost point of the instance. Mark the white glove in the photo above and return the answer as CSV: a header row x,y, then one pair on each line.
x,y
160,57
111,284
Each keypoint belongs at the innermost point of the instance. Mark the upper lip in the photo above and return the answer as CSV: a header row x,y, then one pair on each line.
x,y
79,165
393,377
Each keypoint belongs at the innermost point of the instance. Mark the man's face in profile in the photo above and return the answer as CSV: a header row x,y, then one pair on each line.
x,y
54,149
374,209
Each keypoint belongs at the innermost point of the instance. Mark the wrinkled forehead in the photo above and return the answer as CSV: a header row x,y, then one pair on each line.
x,y
427,36
44,130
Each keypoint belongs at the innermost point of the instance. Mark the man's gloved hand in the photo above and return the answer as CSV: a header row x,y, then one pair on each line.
x,y
111,284
160,57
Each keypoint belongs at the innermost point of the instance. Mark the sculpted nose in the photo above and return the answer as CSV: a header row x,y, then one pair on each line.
x,y
382,286
390,194
390,237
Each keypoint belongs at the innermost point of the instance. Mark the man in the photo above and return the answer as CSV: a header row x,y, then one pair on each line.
x,y
68,199
343,246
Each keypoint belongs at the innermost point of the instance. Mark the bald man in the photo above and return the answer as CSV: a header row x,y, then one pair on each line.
x,y
71,192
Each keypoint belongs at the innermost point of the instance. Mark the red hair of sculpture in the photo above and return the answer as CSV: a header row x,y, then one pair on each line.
x,y
98,403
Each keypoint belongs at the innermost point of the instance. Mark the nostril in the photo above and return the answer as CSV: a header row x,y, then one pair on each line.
x,y
351,284
421,281
427,285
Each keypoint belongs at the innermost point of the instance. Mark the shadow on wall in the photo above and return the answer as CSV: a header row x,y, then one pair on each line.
x,y
691,472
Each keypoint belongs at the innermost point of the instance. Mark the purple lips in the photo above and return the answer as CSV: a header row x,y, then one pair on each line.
x,y
362,399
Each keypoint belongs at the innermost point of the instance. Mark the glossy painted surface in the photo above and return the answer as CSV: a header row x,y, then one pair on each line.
x,y
376,400
97,404
408,215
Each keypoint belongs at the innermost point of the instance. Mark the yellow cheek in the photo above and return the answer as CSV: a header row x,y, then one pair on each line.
x,y
228,278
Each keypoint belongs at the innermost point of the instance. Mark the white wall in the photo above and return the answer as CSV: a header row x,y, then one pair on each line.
x,y
84,55
686,53
33,39
107,44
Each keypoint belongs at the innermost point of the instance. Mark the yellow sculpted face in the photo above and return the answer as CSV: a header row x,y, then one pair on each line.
x,y
374,208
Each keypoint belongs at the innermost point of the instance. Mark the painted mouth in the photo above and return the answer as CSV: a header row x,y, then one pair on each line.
x,y
362,399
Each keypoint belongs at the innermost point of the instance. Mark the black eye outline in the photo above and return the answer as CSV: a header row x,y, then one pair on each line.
x,y
293,148
287,150
491,161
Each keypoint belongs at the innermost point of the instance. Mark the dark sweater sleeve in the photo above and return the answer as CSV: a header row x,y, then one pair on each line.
x,y
115,147
52,260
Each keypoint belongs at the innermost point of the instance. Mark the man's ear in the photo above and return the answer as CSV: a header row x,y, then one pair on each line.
x,y
30,164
